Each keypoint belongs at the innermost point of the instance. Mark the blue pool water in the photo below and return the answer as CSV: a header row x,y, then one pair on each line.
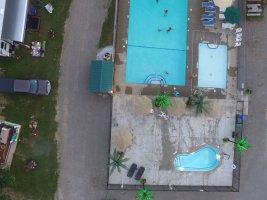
x,y
155,53
212,65
205,159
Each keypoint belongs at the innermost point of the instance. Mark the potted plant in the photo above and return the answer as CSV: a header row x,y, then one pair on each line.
x,y
117,161
241,144
144,194
247,91
162,101
197,102
143,182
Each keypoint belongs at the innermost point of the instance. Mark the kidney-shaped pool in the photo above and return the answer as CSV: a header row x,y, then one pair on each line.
x,y
205,159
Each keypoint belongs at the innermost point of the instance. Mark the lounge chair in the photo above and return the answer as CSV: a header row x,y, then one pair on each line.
x,y
211,9
238,39
132,170
221,16
237,44
228,26
238,30
139,173
209,23
239,35
209,16
208,4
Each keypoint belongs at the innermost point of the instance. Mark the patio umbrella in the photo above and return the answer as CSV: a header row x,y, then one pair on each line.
x,y
122,139
223,3
141,104
232,15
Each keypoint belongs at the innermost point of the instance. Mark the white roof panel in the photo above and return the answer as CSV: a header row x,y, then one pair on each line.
x,y
2,12
15,18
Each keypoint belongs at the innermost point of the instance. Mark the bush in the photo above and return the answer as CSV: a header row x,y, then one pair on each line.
x,y
3,197
162,101
7,179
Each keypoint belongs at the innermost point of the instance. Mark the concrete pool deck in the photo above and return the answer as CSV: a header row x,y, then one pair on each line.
x,y
156,142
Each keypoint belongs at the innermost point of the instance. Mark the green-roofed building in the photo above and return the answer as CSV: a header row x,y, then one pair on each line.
x,y
101,76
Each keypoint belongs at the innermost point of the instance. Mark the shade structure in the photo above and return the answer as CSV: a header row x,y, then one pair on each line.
x,y
101,76
141,104
223,3
232,15
122,139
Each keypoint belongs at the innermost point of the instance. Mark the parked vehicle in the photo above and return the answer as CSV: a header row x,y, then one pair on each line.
x,y
34,86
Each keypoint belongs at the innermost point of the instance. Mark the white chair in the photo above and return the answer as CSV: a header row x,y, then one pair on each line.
x,y
238,39
237,44
221,16
163,115
238,30
239,35
228,26
49,7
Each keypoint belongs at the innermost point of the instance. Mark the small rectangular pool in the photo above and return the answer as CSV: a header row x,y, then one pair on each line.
x,y
154,55
212,65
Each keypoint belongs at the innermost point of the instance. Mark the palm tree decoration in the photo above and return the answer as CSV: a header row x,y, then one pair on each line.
x,y
241,144
162,101
117,160
144,194
197,102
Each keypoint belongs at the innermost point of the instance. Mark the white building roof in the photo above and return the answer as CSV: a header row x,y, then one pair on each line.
x,y
2,12
13,24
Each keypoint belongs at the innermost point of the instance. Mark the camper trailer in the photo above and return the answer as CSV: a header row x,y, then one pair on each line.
x,y
13,19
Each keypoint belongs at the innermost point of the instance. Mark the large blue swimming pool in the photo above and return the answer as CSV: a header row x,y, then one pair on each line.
x,y
153,54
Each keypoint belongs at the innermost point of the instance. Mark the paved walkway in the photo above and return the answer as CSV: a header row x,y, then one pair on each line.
x,y
84,118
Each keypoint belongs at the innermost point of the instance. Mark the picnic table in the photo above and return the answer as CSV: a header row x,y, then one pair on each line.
x,y
38,49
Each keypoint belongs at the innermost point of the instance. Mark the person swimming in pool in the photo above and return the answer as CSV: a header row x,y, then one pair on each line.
x,y
166,12
169,29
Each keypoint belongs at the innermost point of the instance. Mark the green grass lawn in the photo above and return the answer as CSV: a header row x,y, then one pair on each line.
x,y
42,183
106,37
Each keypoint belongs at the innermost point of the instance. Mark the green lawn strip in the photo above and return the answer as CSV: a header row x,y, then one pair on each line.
x,y
41,183
106,37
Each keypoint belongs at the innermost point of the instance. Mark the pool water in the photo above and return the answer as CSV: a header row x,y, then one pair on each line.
x,y
152,51
205,159
212,65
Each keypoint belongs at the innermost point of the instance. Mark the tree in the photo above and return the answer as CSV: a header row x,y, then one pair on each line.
x,y
117,160
162,101
7,179
241,144
197,102
144,194
143,182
